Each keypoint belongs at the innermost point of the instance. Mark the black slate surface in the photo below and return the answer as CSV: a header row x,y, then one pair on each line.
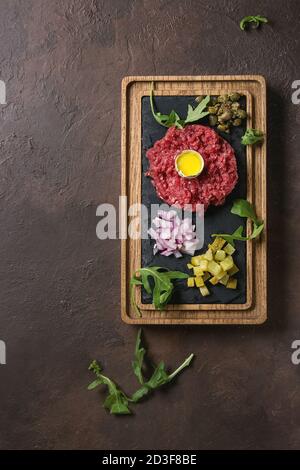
x,y
217,219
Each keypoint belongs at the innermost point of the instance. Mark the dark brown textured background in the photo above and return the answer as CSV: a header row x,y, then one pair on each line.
x,y
63,62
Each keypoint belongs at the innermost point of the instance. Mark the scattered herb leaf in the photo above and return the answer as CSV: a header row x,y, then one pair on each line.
x,y
172,119
254,20
163,285
159,377
237,235
252,136
243,208
138,361
166,120
117,401
197,113
257,229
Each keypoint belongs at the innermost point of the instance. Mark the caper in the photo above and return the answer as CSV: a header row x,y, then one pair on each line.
x,y
225,116
222,98
237,122
235,106
223,127
212,109
234,96
224,111
226,108
241,113
213,120
199,98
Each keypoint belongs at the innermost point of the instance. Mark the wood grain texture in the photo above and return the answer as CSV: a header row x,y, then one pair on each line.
x,y
254,311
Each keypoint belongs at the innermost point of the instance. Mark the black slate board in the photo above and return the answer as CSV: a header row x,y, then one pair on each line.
x,y
217,219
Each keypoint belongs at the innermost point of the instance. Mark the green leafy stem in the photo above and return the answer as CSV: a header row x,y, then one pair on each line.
x,y
256,21
243,208
116,401
162,282
252,136
173,119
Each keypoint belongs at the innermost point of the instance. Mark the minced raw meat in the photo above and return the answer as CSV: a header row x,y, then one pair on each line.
x,y
217,179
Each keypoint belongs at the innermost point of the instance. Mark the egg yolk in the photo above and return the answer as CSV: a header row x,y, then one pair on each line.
x,y
189,163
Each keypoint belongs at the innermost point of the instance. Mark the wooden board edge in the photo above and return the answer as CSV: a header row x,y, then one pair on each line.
x,y
128,79
124,84
257,320
264,202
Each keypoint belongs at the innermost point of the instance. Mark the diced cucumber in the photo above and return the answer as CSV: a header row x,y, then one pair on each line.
x,y
224,280
204,291
203,264
215,265
214,268
195,260
199,281
220,255
233,270
227,263
198,271
229,249
217,244
221,274
208,255
232,283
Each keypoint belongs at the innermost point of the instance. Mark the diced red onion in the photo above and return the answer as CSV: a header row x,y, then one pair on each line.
x,y
172,235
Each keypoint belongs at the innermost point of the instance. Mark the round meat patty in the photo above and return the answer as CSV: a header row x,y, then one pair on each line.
x,y
217,179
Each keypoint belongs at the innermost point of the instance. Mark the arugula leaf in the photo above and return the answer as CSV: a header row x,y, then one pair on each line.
x,y
139,354
197,113
116,401
257,230
166,120
242,208
256,20
163,286
237,235
252,136
159,377
172,119
185,363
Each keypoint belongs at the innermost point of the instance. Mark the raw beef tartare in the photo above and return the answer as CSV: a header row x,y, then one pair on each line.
x,y
217,179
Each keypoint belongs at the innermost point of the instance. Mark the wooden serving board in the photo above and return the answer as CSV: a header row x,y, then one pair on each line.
x,y
254,310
